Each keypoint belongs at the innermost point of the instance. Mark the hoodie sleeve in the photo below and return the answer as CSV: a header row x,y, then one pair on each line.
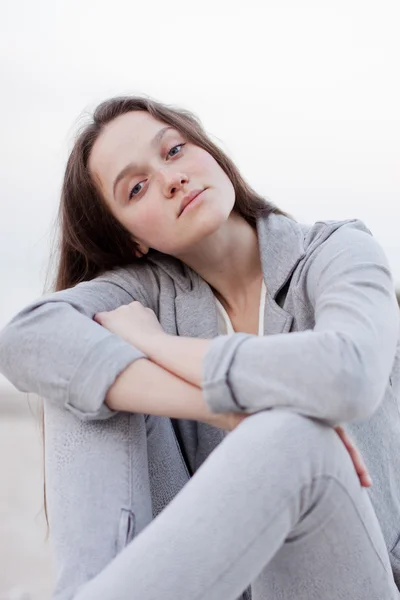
x,y
336,372
53,347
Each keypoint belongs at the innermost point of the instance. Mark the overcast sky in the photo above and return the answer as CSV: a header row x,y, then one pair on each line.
x,y
303,95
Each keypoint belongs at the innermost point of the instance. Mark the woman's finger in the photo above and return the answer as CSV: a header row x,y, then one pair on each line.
x,y
358,462
356,457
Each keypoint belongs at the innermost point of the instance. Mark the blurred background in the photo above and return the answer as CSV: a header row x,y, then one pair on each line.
x,y
304,96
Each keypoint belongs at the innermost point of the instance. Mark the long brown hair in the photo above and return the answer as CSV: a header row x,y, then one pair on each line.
x,y
91,240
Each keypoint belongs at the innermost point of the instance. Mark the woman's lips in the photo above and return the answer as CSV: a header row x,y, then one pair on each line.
x,y
193,201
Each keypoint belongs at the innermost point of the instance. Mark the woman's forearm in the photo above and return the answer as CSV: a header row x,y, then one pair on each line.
x,y
145,387
182,356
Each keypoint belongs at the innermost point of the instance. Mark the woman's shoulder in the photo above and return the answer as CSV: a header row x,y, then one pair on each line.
x,y
334,254
283,238
329,238
348,244
322,230
290,249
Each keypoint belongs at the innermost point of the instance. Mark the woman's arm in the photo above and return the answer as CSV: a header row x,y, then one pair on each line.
x,y
54,348
339,371
158,392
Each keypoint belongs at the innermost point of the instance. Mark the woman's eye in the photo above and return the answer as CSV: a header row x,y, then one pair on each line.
x,y
135,191
177,146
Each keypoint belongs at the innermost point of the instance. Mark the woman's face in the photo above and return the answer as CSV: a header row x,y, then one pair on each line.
x,y
145,169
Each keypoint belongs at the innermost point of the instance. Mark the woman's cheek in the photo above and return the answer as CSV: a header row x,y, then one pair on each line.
x,y
201,164
150,227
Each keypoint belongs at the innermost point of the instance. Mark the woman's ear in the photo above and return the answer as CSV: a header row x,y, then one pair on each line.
x,y
140,250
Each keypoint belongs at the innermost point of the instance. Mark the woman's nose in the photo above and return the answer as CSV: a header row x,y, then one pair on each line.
x,y
172,181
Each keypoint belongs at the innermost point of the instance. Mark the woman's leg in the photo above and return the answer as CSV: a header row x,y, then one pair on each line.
x,y
277,504
104,482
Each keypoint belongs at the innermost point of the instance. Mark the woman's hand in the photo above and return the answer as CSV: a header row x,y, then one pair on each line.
x,y
133,322
356,457
227,421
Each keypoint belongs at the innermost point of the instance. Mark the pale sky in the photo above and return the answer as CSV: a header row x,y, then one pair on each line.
x,y
304,96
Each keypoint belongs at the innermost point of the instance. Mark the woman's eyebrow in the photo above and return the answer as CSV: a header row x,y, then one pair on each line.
x,y
133,166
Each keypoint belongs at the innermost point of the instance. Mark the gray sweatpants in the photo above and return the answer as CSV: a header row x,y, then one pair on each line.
x,y
277,505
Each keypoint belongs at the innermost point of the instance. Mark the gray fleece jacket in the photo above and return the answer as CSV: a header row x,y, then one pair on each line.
x,y
328,285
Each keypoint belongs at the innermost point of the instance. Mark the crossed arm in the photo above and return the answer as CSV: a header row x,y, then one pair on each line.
x,y
162,393
337,372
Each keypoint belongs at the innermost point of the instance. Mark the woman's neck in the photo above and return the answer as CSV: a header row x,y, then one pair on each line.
x,y
229,260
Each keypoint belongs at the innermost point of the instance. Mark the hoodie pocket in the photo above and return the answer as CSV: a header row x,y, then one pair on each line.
x,y
126,529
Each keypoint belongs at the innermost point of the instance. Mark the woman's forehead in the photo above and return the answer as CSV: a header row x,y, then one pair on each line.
x,y
127,133
134,126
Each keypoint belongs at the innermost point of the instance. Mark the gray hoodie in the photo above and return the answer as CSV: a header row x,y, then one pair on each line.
x,y
328,285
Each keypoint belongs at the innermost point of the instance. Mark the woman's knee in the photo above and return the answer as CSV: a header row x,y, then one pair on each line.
x,y
281,423
289,436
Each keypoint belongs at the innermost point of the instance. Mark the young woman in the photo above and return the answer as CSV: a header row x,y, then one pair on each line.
x,y
198,358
